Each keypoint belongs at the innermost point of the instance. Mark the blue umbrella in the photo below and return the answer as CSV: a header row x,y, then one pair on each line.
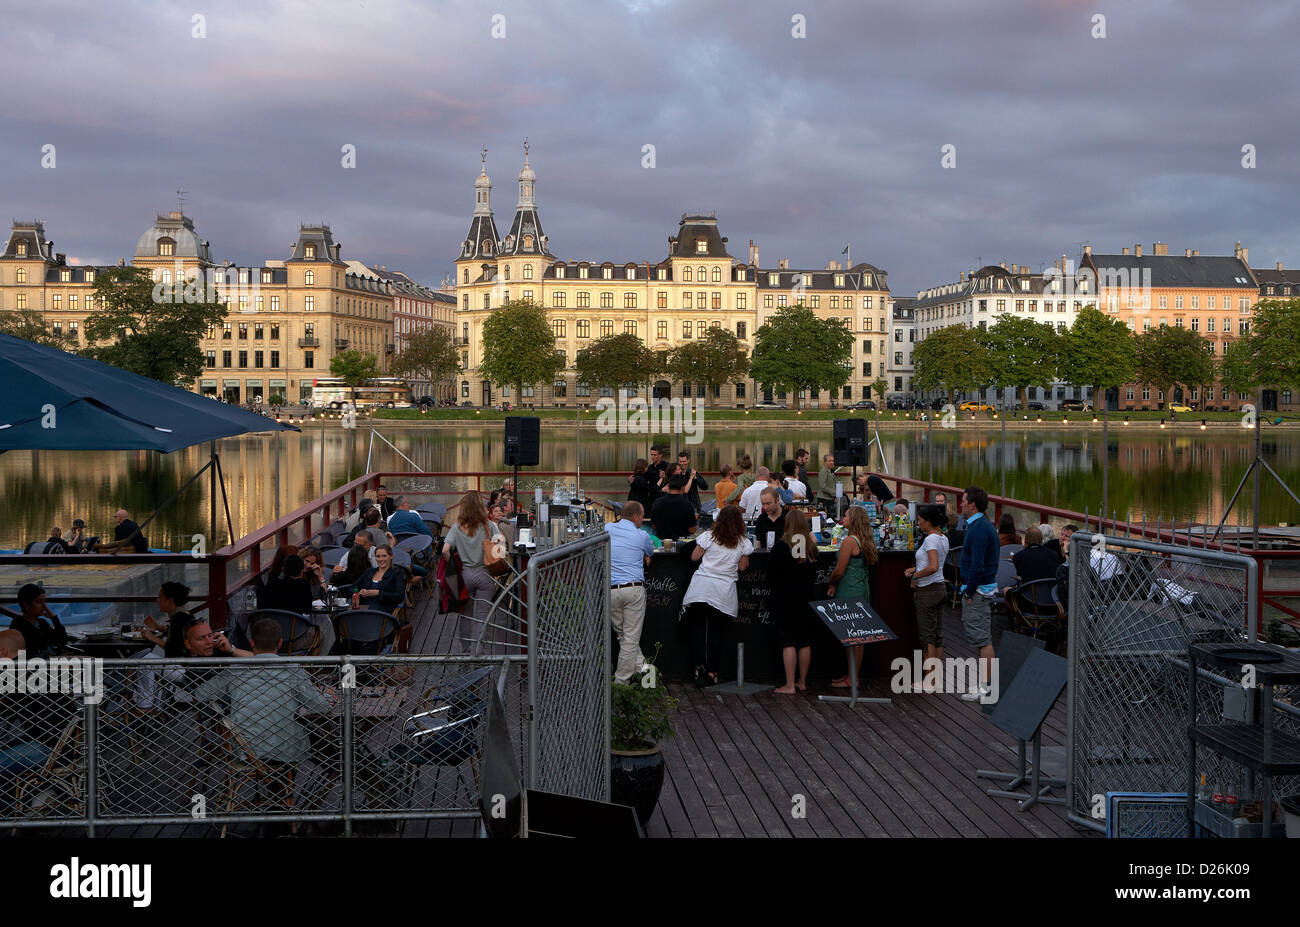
x,y
53,400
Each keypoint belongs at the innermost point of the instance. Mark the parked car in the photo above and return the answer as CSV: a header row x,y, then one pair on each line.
x,y
1033,406
769,405
975,406
864,404
1180,407
1076,405
899,403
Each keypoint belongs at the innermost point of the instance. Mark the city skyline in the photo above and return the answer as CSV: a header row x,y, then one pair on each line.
x,y
1060,138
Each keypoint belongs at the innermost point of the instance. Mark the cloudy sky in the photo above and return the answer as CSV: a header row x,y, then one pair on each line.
x,y
803,144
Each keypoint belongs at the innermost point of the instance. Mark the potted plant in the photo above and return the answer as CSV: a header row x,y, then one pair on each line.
x,y
639,718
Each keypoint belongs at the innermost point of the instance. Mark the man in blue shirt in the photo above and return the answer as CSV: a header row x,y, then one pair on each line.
x,y
404,521
629,554
979,571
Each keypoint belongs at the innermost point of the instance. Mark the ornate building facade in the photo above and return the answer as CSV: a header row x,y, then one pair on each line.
x,y
698,285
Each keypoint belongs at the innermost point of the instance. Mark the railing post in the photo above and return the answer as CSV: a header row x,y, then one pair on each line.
x,y
349,773
89,743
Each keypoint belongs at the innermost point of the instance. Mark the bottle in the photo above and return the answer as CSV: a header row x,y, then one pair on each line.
x,y
871,510
1203,792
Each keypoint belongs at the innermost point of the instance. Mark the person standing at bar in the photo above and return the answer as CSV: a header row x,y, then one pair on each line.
x,y
927,582
791,574
744,474
694,482
630,549
851,577
979,573
711,601
725,486
826,482
801,464
771,520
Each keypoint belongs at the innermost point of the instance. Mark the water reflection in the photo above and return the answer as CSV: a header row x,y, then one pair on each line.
x,y
1151,474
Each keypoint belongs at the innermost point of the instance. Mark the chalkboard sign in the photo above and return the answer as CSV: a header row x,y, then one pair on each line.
x,y
1038,684
852,621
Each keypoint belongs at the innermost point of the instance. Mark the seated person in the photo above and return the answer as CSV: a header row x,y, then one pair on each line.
x,y
273,572
1007,533
78,542
405,521
266,696
291,591
313,569
126,536
30,724
172,598
383,588
378,534
507,525
357,562
55,544
385,503
40,637
1033,562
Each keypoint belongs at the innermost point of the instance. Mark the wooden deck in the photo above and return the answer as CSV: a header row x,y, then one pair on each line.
x,y
737,765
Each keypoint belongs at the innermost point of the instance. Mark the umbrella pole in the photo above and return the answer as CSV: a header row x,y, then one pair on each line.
x,y
221,476
212,494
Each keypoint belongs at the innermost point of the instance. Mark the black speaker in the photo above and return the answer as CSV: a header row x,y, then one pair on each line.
x,y
850,446
523,441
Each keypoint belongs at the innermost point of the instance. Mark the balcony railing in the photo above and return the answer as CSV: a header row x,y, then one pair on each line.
x,y
341,344
309,342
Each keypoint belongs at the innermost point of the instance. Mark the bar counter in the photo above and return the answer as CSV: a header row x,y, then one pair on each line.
x,y
669,574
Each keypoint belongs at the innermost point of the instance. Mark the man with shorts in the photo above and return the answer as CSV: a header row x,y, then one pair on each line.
x,y
979,571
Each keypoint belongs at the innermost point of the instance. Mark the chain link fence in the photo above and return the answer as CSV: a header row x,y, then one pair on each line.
x,y
1134,607
569,669
232,743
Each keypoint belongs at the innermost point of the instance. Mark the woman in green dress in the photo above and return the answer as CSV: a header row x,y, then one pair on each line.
x,y
852,576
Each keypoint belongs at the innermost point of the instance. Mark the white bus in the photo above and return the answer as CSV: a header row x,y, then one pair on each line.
x,y
383,393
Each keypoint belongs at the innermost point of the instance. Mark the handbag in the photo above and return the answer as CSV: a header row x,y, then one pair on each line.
x,y
496,566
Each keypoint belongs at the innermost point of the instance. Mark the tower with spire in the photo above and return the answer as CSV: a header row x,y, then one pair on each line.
x,y
482,242
526,238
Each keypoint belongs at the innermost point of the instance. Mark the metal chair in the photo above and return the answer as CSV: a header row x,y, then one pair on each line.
x,y
292,626
59,783
244,767
330,557
435,510
1032,608
952,572
420,549
445,733
365,631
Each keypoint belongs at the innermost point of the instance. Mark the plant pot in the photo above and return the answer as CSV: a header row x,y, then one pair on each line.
x,y
636,778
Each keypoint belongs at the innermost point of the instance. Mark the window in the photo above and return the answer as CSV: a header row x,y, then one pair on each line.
x,y
58,302
65,276
22,249
700,300
226,328
629,327
225,358
1128,393
607,300
701,246
275,360
558,327
506,272
741,331
258,334
1243,327
308,359
584,300
631,273
209,358
716,301
686,301
487,300
309,251
275,304
866,324
243,330
559,388
716,275
582,273
781,299
1164,301
558,299
1209,324
583,328
528,271
309,304
686,329
898,358
257,358
1146,392
661,329
309,278
898,335
243,359
528,296
72,331
629,300
661,299
839,280
607,273
22,300
866,368
1209,301
89,278
741,301
814,302
1196,324
740,392
1178,322
21,275
866,346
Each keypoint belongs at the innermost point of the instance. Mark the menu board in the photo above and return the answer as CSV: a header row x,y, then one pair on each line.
x,y
853,621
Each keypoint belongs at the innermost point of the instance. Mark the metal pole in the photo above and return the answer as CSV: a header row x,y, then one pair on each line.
x,y
1254,515
1002,457
277,476
212,495
1105,458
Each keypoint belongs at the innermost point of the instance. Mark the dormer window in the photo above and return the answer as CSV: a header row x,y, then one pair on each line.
x,y
309,252
701,246
663,273
90,276
487,246
469,247
631,273
839,280
582,273
740,274
1024,286
528,242
773,279
22,249
559,273
607,273
866,279
309,278
266,276
65,276
510,241
166,247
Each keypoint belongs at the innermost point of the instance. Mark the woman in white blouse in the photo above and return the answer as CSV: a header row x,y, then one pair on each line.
x,y
710,601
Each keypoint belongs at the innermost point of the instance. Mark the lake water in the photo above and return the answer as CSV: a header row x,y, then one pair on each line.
x,y
1182,475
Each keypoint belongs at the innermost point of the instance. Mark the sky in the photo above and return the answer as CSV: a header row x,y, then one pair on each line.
x,y
805,126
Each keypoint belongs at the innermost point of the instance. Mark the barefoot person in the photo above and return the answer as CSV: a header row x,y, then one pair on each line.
x,y
852,575
791,572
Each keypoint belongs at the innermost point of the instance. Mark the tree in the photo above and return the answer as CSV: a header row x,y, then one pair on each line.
x,y
717,357
1269,355
611,361
29,325
519,347
428,354
1098,351
794,350
951,359
1169,357
1022,353
155,329
354,368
